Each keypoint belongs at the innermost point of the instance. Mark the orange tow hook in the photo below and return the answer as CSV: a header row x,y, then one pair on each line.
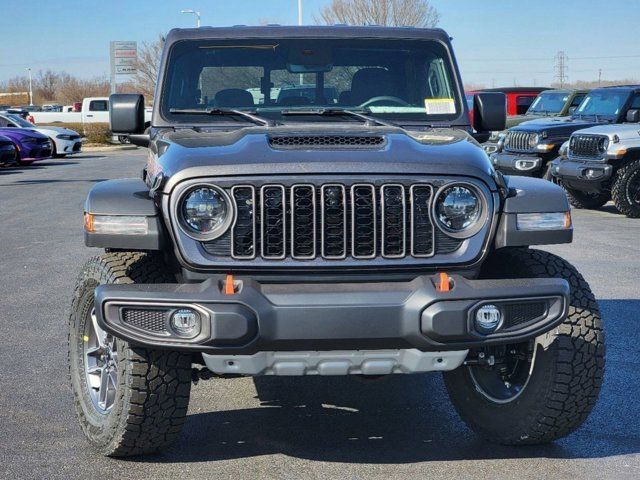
x,y
229,288
445,282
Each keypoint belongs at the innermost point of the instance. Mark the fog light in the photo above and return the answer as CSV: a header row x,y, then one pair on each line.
x,y
185,322
488,319
526,164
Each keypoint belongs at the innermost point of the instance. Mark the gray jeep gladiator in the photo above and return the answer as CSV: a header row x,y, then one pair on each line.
x,y
363,234
602,163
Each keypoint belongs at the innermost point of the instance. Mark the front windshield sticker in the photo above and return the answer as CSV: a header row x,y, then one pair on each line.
x,y
440,106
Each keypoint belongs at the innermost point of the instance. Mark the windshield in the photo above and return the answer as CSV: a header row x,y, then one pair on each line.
x,y
607,103
548,103
18,120
395,79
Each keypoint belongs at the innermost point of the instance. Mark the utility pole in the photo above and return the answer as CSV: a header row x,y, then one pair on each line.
x,y
299,12
30,88
561,67
599,76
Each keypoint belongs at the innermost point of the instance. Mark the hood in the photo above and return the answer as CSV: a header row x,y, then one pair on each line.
x,y
555,126
51,131
189,153
625,131
21,133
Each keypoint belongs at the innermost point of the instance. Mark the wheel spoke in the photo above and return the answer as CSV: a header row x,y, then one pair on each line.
x,y
104,389
100,334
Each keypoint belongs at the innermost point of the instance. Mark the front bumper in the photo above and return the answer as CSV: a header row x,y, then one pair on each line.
x,y
332,317
517,164
68,147
582,175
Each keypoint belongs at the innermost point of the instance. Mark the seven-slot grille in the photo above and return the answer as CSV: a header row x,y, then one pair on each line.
x,y
586,145
518,141
331,221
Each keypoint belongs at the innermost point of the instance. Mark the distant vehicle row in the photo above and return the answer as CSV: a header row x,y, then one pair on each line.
x,y
594,152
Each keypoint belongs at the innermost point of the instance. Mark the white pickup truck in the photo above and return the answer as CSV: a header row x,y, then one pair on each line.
x,y
94,110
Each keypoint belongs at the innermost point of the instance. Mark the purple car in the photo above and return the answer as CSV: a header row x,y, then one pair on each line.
x,y
30,144
8,151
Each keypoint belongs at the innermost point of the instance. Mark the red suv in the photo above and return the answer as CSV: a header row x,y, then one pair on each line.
x,y
518,98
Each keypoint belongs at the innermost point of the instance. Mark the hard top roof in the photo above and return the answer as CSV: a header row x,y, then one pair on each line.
x,y
278,32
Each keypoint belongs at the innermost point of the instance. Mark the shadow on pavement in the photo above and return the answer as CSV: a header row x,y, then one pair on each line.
x,y
404,419
54,180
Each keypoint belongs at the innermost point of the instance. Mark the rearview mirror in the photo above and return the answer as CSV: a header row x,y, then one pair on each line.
x,y
127,113
633,116
489,112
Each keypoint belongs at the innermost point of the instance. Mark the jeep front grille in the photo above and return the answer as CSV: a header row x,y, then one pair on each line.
x,y
518,141
332,221
586,145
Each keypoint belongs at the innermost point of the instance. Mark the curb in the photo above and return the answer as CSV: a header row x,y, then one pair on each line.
x,y
107,148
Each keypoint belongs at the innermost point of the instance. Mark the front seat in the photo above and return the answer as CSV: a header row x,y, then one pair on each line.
x,y
233,97
368,83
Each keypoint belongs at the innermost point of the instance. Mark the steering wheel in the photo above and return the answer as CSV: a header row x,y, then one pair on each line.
x,y
384,98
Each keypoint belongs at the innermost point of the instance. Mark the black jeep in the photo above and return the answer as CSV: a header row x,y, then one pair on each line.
x,y
362,234
529,148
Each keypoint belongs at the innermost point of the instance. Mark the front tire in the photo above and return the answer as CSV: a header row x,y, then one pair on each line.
x,y
560,374
626,189
129,400
587,201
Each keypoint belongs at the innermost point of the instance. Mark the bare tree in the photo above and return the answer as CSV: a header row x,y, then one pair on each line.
x,y
399,13
147,66
46,84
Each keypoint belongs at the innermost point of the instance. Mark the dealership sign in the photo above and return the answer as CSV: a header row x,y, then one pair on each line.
x,y
123,58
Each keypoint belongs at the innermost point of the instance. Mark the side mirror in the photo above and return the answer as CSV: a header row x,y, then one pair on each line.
x,y
572,110
127,113
489,112
633,116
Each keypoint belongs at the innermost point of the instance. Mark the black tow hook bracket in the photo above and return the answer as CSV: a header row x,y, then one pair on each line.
x,y
198,374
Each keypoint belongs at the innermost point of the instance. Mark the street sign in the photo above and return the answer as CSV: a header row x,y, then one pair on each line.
x,y
123,57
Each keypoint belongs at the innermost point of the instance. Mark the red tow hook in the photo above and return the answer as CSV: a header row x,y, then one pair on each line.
x,y
445,283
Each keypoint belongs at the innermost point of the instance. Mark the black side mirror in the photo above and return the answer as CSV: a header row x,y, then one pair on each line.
x,y
633,116
489,112
127,113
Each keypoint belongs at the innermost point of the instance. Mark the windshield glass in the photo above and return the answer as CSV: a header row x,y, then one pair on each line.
x,y
549,103
608,103
18,120
396,79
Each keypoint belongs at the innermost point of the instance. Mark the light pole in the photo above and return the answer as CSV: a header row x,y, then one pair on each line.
x,y
299,12
30,88
193,12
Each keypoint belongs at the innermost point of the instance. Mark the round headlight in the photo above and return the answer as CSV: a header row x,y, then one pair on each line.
x,y
206,212
534,140
603,144
458,210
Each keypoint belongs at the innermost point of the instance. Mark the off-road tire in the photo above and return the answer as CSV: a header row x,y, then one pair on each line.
x,y
619,191
567,374
586,201
153,388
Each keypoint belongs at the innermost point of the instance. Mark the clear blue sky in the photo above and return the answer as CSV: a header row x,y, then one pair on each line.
x,y
497,41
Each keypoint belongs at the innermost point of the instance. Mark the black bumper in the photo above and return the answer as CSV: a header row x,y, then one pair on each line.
x,y
514,164
584,176
321,317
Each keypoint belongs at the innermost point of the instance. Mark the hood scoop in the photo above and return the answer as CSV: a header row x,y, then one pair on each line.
x,y
327,142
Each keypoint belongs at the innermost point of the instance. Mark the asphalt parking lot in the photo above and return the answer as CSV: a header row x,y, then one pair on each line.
x,y
400,427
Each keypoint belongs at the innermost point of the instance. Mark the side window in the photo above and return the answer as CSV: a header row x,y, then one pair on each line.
x,y
635,104
99,106
4,122
523,103
437,80
577,100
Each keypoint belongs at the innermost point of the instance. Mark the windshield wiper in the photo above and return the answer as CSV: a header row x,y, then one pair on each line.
x,y
224,111
369,121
